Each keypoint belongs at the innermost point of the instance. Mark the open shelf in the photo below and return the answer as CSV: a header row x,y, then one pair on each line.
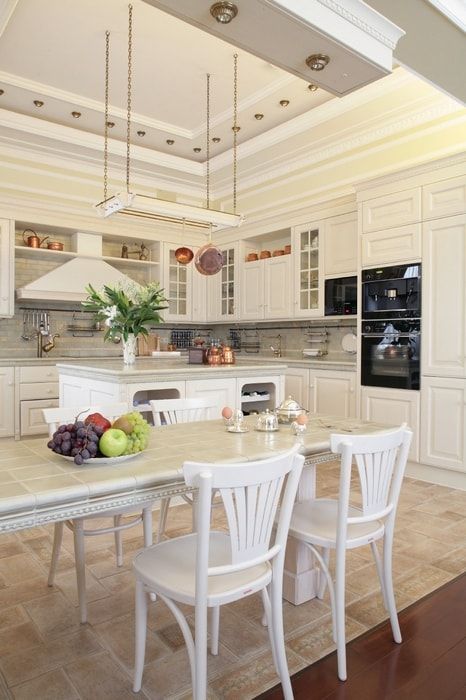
x,y
129,261
254,398
63,255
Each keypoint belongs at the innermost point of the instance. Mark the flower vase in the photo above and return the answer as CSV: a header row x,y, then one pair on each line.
x,y
129,349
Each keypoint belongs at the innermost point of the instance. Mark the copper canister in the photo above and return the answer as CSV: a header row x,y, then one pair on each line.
x,y
228,356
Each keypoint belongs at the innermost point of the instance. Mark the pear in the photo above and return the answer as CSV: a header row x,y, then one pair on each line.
x,y
123,423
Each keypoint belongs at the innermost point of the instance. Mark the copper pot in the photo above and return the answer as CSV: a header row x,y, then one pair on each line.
x,y
54,245
208,259
33,241
264,254
184,255
250,257
228,356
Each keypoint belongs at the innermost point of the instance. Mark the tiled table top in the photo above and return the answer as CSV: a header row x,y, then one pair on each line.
x,y
38,486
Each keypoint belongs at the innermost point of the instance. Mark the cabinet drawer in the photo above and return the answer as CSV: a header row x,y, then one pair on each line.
x,y
32,420
38,373
38,390
401,244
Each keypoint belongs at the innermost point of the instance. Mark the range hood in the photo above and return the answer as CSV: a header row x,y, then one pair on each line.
x,y
69,281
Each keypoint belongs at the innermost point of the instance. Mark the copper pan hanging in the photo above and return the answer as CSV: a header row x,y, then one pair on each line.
x,y
184,255
208,259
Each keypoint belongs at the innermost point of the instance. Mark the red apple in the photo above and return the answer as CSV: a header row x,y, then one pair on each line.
x,y
98,420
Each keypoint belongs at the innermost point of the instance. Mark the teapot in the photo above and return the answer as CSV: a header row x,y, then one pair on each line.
x,y
33,241
289,410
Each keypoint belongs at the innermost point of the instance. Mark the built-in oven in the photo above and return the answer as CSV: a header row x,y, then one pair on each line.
x,y
341,296
391,327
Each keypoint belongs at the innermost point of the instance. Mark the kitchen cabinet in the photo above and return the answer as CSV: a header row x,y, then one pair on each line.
x,y
221,390
341,245
297,385
7,401
393,407
7,269
177,281
38,389
223,289
307,247
399,244
444,198
266,288
443,422
391,210
444,297
332,392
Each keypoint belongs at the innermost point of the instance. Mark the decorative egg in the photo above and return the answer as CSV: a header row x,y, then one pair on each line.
x,y
227,412
302,419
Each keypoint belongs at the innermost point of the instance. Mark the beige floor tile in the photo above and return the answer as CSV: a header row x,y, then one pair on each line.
x,y
316,640
240,635
117,635
453,562
19,567
19,637
99,677
53,686
420,581
66,584
53,615
22,592
167,676
10,617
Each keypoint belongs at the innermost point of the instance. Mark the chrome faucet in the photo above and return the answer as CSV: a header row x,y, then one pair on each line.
x,y
278,350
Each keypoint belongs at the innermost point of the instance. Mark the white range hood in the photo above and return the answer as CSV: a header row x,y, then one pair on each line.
x,y
69,281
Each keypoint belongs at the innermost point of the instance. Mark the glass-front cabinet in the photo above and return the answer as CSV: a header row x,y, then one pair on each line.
x,y
308,300
177,282
222,289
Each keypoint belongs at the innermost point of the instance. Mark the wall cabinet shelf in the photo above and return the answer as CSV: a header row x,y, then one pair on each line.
x,y
64,255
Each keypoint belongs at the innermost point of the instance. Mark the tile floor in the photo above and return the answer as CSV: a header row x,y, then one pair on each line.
x,y
45,654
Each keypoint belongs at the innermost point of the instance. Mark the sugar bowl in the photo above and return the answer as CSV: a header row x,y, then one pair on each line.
x,y
267,422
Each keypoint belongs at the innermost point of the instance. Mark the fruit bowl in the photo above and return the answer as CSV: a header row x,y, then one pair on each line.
x,y
103,460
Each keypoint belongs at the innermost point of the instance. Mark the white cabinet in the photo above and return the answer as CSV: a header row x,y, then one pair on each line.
x,y
38,389
400,244
31,416
307,247
221,390
443,422
391,210
297,385
444,297
341,245
7,269
177,282
223,289
7,401
266,288
393,407
445,198
332,392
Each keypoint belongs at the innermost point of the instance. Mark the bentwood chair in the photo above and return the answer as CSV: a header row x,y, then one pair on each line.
x,y
169,412
327,524
54,417
208,568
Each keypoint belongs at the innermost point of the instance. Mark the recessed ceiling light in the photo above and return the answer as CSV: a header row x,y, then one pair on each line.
x,y
141,133
312,87
2,92
38,103
216,139
284,103
170,142
317,61
224,12
197,149
110,125
236,128
76,115
258,116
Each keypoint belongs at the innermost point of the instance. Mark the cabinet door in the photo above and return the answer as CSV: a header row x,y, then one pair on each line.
x,y
277,287
393,407
332,393
7,268
177,282
396,209
222,391
341,245
444,297
252,290
223,289
401,244
443,422
32,420
297,385
7,401
199,297
307,255
445,198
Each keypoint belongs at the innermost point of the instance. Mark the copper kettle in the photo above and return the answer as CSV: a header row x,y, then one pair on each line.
x,y
33,241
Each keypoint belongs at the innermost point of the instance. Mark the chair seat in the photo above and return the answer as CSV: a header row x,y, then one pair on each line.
x,y
159,567
316,522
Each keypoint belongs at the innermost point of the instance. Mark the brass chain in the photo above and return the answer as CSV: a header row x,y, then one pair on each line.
x,y
128,113
208,145
107,64
235,129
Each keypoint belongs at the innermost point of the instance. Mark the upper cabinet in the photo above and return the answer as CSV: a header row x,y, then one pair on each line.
x,y
341,245
444,198
391,210
223,288
307,246
177,281
266,289
7,241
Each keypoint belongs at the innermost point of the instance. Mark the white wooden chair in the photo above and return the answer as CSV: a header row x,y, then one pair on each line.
x,y
208,569
168,412
335,524
55,417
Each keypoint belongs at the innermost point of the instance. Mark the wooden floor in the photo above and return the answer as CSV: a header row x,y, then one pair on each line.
x,y
430,664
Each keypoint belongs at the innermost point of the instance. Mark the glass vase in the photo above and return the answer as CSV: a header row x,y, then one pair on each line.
x,y
129,349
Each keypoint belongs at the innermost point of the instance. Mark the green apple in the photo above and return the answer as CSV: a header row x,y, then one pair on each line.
x,y
113,442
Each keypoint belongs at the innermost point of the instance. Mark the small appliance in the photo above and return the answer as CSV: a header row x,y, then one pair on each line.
x,y
341,296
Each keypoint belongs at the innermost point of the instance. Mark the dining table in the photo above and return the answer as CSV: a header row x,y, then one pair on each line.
x,y
39,487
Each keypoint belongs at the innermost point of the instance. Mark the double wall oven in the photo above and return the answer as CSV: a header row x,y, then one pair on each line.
x,y
391,327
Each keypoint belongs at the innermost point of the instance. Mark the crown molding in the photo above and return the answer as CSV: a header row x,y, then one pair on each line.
x,y
6,11
454,10
367,19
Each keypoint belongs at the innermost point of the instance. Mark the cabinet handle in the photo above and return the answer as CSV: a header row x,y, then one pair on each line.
x,y
49,391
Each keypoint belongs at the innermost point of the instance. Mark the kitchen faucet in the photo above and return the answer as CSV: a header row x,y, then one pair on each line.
x,y
278,350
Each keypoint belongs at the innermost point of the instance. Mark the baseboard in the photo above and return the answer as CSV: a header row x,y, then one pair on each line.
x,y
435,475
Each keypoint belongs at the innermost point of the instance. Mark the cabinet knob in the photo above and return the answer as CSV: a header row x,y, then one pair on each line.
x,y
10,383
351,391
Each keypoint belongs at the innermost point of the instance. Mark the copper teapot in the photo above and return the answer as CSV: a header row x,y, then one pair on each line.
x,y
33,241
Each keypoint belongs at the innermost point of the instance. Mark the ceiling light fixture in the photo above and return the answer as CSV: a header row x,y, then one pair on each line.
x,y
216,139
38,103
312,87
317,61
76,115
110,124
151,207
197,149
284,103
2,92
141,133
258,116
224,12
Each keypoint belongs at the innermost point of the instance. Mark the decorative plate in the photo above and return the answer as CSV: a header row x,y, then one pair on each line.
x,y
103,460
349,343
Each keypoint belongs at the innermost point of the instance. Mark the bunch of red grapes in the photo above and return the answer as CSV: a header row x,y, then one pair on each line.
x,y
77,440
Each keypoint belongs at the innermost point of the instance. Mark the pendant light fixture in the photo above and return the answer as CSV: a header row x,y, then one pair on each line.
x,y
138,205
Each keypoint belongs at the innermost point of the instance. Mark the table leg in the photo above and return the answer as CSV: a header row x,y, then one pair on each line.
x,y
301,576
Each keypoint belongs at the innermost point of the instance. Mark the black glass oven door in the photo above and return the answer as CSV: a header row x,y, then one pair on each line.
x,y
390,365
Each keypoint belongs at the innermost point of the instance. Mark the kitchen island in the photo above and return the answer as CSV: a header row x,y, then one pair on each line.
x,y
252,386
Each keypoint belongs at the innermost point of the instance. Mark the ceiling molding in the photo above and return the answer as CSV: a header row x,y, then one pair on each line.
x,y
7,8
454,11
370,23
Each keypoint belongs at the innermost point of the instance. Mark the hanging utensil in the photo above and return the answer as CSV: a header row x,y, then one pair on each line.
x,y
208,259
183,254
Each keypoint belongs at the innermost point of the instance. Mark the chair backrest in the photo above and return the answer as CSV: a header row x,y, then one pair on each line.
x,y
251,493
56,416
381,462
170,411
